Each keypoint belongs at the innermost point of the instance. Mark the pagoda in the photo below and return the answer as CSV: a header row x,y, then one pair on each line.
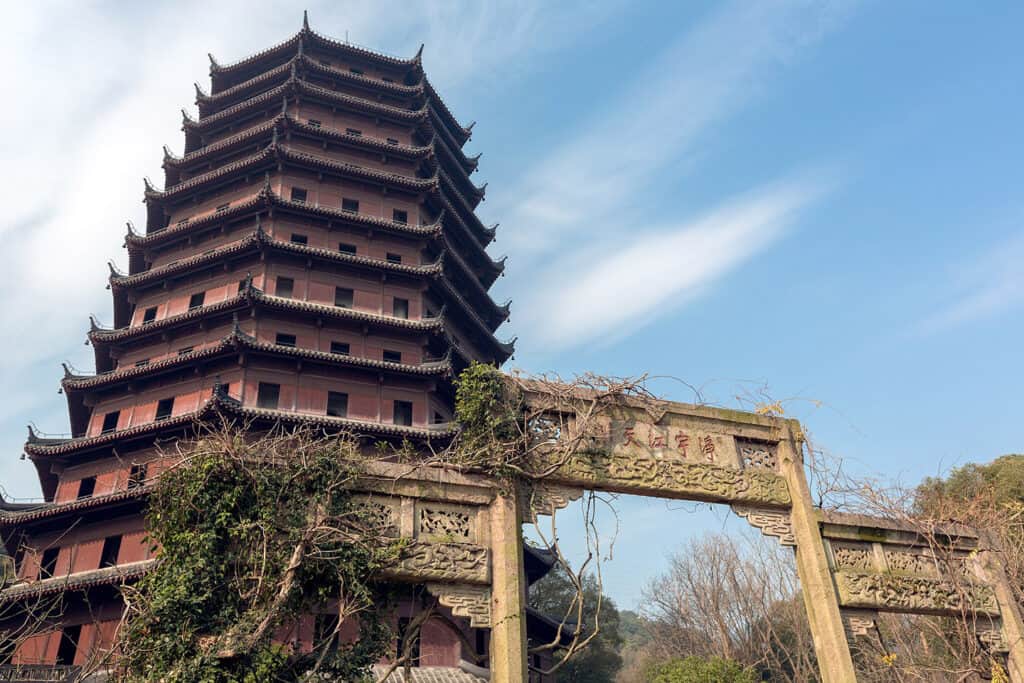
x,y
313,258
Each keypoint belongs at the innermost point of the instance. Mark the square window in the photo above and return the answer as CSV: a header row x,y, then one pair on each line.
x,y
346,248
284,287
392,141
315,123
400,307
137,475
164,408
299,195
185,350
399,216
149,315
337,404
111,549
357,72
284,339
392,356
110,421
394,258
353,131
241,285
343,297
196,300
340,348
438,418
86,487
299,239
403,413
223,207
267,395
350,205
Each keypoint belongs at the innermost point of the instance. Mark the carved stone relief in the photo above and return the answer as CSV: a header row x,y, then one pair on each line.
x,y
663,476
905,593
465,601
382,513
758,455
858,556
910,561
445,562
860,624
447,523
990,636
771,522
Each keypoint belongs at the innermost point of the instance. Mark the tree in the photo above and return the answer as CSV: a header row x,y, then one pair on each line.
x,y
694,669
1001,482
599,662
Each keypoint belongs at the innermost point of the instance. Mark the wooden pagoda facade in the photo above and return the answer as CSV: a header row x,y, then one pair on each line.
x,y
313,258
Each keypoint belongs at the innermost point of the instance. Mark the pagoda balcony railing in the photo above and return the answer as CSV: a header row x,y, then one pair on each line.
x,y
39,673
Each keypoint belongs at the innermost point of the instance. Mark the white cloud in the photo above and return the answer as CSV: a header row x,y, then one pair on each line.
x,y
990,284
608,290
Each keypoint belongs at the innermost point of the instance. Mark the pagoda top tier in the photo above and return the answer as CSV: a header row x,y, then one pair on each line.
x,y
406,71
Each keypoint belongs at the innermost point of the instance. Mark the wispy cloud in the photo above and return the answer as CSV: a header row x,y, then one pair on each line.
x,y
607,290
991,284
594,188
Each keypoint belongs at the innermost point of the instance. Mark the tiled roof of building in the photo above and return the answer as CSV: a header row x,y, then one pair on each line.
x,y
44,510
431,674
108,576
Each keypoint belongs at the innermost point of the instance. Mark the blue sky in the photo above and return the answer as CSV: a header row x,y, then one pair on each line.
x,y
823,199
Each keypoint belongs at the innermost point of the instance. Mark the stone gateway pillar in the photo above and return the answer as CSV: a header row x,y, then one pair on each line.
x,y
508,592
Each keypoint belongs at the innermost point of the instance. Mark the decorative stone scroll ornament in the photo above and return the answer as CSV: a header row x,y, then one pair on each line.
x,y
443,562
542,498
894,592
465,601
860,624
990,636
771,522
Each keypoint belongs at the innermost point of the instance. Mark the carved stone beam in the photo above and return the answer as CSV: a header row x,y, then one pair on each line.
x,y
473,602
771,522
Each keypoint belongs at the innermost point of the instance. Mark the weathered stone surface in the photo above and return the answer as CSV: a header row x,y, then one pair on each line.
x,y
465,601
461,562
771,522
898,593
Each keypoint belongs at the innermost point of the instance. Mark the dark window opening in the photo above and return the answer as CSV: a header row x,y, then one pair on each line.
x,y
326,634
392,356
399,216
315,123
241,285
414,646
267,395
299,239
283,339
340,348
164,408
438,418
185,350
69,637
149,316
354,131
400,308
357,72
137,475
394,258
350,205
284,287
196,300
182,221
481,641
392,141
343,297
403,413
86,487
387,80
111,549
337,404
299,195
48,565
110,421
142,363
223,207
346,248
325,62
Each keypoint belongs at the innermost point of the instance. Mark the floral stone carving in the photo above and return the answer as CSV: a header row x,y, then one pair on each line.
x,y
771,522
900,593
446,523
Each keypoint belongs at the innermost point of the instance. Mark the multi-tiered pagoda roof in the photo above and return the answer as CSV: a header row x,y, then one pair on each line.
x,y
313,257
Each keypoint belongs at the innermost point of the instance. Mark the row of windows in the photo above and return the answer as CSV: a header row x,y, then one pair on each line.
x,y
48,562
301,194
136,477
268,396
339,348
317,123
344,297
